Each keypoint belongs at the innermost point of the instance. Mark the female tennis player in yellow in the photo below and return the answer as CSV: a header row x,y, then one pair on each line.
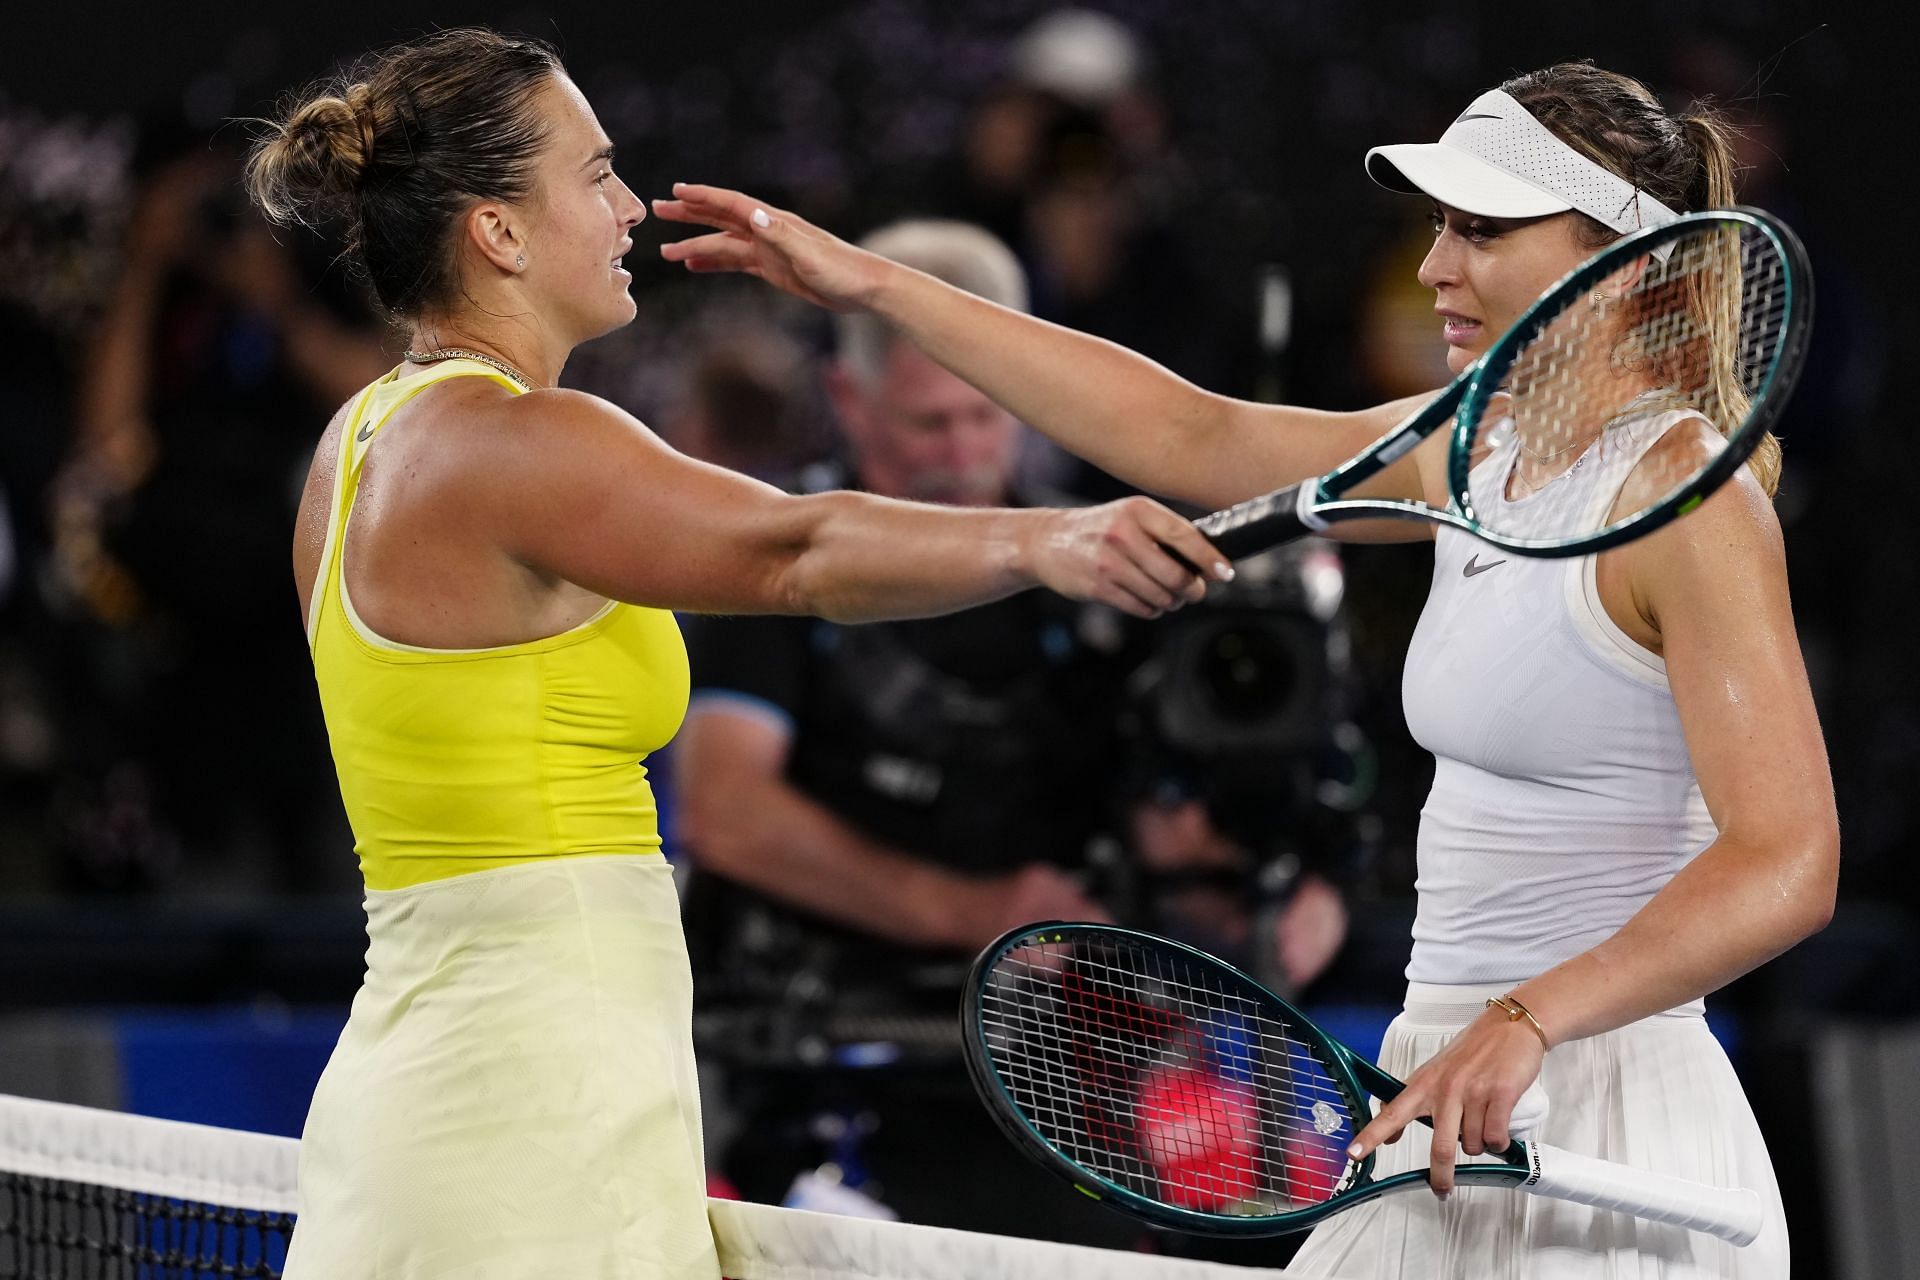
x,y
1631,804
485,564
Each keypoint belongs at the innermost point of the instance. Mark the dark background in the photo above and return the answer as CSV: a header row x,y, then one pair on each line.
x,y
849,111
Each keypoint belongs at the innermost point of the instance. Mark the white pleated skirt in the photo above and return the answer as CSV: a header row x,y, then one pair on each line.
x,y
1659,1094
514,1094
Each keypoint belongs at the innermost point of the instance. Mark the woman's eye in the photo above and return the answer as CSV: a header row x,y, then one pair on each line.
x,y
1473,230
605,174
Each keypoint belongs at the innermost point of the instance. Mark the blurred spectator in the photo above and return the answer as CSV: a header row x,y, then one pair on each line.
x,y
1070,64
62,198
1000,159
866,806
205,382
1069,159
743,406
1085,57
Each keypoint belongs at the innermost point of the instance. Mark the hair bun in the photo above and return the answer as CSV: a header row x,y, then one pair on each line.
x,y
400,144
320,153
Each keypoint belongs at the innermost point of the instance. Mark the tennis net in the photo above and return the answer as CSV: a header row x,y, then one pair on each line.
x,y
103,1196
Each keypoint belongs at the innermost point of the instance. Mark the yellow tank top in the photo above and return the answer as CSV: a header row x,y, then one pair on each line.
x,y
460,760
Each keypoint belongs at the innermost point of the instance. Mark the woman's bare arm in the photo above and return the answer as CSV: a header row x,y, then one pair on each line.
x,y
573,487
1109,405
1715,584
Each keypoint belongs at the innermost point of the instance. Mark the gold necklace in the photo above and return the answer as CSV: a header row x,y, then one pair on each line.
x,y
1545,457
461,353
1639,406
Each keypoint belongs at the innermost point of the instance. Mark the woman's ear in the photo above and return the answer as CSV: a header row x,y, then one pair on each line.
x,y
493,234
1621,281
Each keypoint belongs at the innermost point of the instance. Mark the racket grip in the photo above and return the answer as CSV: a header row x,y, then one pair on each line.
x,y
1260,523
1735,1214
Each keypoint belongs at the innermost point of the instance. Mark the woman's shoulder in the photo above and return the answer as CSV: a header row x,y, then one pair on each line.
x,y
316,503
554,431
1728,549
492,462
473,427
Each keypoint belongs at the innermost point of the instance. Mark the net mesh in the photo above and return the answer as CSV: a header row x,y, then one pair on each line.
x,y
1169,1076
52,1227
90,1194
93,1194
1634,387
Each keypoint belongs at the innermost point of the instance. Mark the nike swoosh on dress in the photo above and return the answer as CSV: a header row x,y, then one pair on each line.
x,y
1471,569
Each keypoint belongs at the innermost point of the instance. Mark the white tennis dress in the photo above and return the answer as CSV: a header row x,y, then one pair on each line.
x,y
1563,799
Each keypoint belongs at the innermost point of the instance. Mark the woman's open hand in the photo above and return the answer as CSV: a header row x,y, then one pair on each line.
x,y
757,239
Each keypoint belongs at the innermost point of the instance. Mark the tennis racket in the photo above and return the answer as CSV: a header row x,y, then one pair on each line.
x,y
1170,1085
1664,357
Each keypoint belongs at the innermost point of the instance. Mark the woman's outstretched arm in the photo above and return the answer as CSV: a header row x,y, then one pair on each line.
x,y
1119,410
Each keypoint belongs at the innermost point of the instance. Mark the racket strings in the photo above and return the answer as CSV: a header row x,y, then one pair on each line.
x,y
1162,1077
1636,384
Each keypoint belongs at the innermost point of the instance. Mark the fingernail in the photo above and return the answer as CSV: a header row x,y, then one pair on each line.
x,y
1444,1196
1353,1151
760,218
1223,571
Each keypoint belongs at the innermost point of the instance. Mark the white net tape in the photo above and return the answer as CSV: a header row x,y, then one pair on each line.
x,y
258,1173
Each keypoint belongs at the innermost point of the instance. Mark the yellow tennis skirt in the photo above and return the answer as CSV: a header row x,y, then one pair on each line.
x,y
514,1093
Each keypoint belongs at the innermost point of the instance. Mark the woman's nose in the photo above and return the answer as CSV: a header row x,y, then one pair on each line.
x,y
1441,265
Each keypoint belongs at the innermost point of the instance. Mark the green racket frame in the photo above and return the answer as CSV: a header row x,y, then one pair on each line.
x,y
1311,505
1356,1077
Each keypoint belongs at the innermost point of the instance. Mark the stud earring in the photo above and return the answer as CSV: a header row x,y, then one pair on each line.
x,y
520,260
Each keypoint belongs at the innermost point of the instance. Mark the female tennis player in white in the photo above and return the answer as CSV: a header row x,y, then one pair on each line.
x,y
1631,804
486,563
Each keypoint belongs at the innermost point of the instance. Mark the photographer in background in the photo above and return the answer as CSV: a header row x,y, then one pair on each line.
x,y
865,807
1249,778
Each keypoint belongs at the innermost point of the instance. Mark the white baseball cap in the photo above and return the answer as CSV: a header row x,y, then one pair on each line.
x,y
1496,160
1087,58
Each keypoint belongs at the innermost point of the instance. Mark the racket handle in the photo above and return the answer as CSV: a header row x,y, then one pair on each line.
x,y
1735,1214
1263,522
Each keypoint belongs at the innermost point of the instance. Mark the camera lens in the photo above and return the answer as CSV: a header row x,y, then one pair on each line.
x,y
1247,673
1245,680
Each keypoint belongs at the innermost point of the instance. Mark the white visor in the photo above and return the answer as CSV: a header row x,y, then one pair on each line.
x,y
1496,160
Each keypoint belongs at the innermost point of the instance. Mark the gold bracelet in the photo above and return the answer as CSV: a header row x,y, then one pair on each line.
x,y
1516,1011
